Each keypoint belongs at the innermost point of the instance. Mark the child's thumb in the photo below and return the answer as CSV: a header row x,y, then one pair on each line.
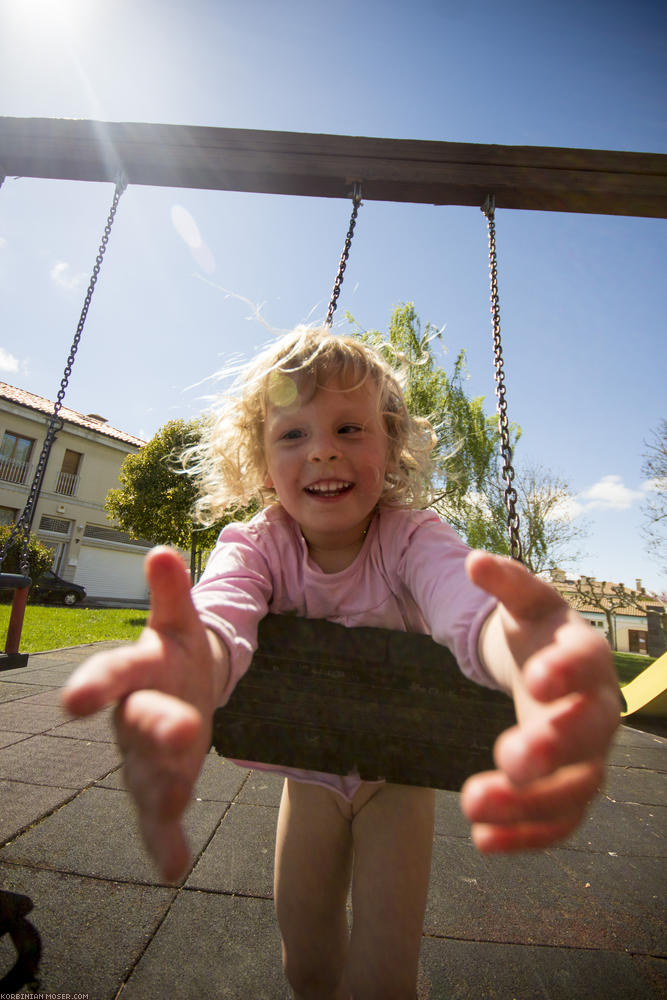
x,y
169,583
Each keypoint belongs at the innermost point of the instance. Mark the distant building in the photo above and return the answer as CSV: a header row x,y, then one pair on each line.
x,y
637,625
88,548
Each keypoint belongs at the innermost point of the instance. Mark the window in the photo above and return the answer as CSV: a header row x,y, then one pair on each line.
x,y
8,515
15,452
56,525
68,478
104,533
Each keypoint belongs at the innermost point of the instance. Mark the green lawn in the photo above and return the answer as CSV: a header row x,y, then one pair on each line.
x,y
628,665
55,627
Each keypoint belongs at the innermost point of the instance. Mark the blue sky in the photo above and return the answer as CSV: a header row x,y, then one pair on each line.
x,y
582,297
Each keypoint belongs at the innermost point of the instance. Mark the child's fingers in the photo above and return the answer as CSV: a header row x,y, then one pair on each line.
x,y
490,839
574,729
506,819
167,845
172,609
579,661
491,798
164,742
108,677
524,595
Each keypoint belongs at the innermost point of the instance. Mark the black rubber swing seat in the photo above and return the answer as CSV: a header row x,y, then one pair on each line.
x,y
387,704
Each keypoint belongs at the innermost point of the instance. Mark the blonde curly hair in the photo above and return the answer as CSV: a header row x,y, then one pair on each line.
x,y
229,461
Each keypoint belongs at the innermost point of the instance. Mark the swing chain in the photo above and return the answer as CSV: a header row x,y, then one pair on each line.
x,y
488,208
356,202
22,525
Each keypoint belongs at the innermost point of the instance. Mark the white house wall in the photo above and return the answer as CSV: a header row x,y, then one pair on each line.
x,y
106,571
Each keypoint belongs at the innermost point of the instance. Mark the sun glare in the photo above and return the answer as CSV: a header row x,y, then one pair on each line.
x,y
39,15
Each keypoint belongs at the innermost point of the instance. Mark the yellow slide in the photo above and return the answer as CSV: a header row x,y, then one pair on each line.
x,y
647,693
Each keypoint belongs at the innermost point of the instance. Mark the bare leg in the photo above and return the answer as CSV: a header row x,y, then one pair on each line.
x,y
312,877
393,841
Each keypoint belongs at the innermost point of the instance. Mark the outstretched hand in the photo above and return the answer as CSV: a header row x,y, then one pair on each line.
x,y
166,687
561,675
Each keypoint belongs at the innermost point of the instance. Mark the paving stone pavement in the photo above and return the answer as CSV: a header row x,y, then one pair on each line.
x,y
586,919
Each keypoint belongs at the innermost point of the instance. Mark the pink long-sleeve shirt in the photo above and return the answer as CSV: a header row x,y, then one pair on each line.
x,y
409,576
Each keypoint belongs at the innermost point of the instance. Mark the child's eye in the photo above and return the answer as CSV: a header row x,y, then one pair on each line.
x,y
350,428
291,435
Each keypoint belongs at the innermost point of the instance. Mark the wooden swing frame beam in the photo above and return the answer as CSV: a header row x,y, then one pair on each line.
x,y
318,695
327,166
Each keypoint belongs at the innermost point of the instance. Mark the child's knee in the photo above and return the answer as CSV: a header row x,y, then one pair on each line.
x,y
315,972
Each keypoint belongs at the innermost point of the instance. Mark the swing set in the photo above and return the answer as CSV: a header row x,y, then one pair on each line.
x,y
320,696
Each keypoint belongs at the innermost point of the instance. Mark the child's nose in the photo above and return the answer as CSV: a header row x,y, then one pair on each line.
x,y
324,449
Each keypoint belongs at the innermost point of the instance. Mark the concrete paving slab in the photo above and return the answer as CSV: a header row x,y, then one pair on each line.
x,y
212,946
655,759
219,780
627,897
261,789
53,760
7,738
635,784
622,827
92,932
54,674
11,691
25,718
449,820
97,728
23,805
636,737
96,834
49,696
527,898
465,970
239,858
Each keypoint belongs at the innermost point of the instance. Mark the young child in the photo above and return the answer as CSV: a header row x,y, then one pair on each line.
x,y
320,435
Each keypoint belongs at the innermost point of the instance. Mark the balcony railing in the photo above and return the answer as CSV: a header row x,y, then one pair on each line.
x,y
15,472
68,484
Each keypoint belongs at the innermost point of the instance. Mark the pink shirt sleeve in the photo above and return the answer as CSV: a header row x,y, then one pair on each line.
x,y
432,568
233,596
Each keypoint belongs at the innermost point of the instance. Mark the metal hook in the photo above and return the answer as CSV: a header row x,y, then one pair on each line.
x,y
489,206
121,182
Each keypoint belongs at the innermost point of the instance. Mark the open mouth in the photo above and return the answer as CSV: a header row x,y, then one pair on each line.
x,y
332,488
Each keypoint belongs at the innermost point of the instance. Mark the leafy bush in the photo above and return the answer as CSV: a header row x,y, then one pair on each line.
x,y
40,556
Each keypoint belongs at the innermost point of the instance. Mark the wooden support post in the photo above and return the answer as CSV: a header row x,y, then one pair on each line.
x,y
21,585
327,166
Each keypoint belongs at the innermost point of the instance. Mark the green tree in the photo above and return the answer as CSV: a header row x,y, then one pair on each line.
x,y
468,487
655,507
156,498
468,484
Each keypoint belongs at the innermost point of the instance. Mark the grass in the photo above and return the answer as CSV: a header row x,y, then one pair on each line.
x,y
47,628
628,665
56,627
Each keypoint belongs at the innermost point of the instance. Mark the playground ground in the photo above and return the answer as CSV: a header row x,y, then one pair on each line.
x,y
584,919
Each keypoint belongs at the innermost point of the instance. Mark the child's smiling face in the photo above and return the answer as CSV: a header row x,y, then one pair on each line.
x,y
326,459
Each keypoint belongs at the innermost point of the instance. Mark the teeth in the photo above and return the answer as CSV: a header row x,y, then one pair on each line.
x,y
332,487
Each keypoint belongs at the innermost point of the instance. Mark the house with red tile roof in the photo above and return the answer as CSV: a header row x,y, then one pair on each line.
x,y
88,547
631,618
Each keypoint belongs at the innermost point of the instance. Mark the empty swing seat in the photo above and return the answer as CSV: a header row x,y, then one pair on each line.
x,y
387,704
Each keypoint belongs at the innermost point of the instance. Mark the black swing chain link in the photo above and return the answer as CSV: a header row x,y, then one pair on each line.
x,y
356,202
510,495
22,526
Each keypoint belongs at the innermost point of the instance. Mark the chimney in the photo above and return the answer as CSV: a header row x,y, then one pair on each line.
x,y
639,585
